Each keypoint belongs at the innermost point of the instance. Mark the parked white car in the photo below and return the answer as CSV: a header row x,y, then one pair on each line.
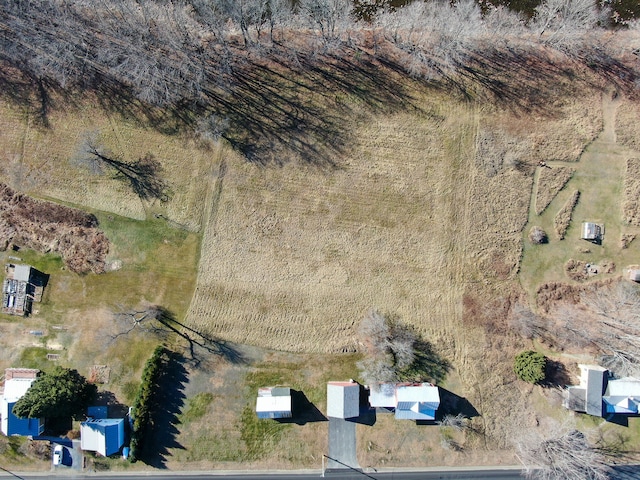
x,y
57,454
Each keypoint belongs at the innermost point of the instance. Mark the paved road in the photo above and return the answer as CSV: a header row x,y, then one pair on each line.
x,y
341,474
342,444
625,472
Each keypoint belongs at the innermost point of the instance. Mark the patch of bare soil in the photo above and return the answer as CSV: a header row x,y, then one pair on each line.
x,y
631,202
563,217
49,227
550,182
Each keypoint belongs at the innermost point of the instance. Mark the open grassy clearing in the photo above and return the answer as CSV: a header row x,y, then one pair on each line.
x,y
599,178
76,315
416,217
44,162
413,218
240,437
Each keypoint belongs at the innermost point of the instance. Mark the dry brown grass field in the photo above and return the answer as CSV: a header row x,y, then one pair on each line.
x,y
630,206
44,161
420,214
549,183
417,219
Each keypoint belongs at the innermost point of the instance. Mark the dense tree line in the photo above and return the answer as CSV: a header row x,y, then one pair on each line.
x,y
167,52
144,404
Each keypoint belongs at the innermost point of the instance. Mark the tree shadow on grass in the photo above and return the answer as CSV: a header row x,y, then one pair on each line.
x,y
199,344
115,409
453,404
162,432
427,366
556,375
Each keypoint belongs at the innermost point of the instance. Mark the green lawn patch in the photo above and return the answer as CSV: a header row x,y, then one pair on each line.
x,y
196,407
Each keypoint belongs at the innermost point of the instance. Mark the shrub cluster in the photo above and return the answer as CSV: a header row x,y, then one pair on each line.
x,y
49,227
144,402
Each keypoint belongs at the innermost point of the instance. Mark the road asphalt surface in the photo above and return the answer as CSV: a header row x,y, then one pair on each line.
x,y
621,472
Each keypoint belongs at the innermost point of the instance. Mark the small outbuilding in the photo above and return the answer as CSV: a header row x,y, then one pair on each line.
x,y
592,232
634,274
274,402
343,399
102,435
22,286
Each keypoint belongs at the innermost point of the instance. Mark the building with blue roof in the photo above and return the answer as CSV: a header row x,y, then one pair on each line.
x,y
601,395
102,435
410,401
17,382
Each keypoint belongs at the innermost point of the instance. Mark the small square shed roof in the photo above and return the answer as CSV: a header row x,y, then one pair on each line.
x,y
343,399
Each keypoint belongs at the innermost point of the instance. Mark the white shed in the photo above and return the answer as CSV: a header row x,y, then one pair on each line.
x,y
343,399
274,402
591,231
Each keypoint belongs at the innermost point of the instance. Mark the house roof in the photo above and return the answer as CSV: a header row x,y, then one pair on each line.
x,y
576,399
10,373
102,435
418,411
625,387
274,392
343,399
627,405
417,401
423,392
383,395
14,389
273,404
596,380
590,230
97,412
634,275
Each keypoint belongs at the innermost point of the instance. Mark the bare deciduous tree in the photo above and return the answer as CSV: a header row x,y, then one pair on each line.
x,y
455,422
144,174
563,453
526,322
389,347
332,17
560,22
608,317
